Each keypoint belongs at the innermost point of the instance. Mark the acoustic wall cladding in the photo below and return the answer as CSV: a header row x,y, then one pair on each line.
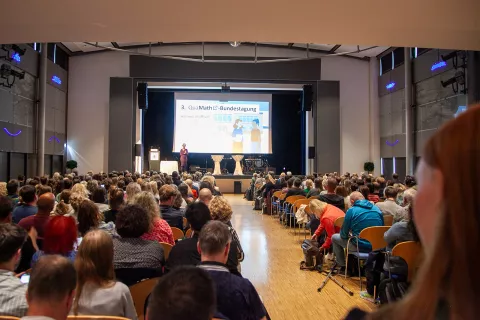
x,y
434,105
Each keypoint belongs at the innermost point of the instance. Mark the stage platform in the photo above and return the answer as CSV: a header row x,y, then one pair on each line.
x,y
226,182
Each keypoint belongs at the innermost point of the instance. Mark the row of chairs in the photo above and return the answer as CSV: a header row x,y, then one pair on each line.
x,y
409,251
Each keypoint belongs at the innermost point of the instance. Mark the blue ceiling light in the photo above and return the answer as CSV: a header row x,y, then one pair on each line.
x,y
57,80
390,85
438,65
16,57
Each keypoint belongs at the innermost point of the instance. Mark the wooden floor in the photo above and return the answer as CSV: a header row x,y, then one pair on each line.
x,y
272,258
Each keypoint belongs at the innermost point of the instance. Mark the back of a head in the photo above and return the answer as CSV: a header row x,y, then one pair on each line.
x,y
355,196
341,191
183,189
317,206
46,202
371,188
297,183
197,215
395,176
99,195
390,192
147,201
220,209
331,184
166,192
53,278
12,187
364,190
88,216
60,235
205,195
6,207
318,183
410,181
214,237
12,238
27,193
132,221
186,293
116,198
290,182
132,189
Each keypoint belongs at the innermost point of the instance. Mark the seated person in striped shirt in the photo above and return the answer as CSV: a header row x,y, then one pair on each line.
x,y
12,290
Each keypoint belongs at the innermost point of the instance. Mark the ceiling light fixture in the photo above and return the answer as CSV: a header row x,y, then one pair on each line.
x,y
235,44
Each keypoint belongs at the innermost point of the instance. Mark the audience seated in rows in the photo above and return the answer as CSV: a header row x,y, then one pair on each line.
x,y
361,215
159,230
315,191
296,190
116,198
236,296
97,292
90,218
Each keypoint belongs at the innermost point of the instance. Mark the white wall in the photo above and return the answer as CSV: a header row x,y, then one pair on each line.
x,y
88,103
357,142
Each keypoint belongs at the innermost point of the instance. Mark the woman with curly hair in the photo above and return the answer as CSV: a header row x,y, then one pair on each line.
x,y
222,211
159,230
90,218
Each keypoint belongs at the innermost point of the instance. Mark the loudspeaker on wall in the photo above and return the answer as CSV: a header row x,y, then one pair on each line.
x,y
142,95
311,152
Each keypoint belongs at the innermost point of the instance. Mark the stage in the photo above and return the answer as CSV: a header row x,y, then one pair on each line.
x,y
226,183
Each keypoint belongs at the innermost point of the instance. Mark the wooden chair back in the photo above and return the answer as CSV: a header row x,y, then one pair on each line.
x,y
177,234
339,222
9,318
299,202
374,235
140,292
277,194
82,317
167,247
387,220
188,233
412,253
282,196
291,200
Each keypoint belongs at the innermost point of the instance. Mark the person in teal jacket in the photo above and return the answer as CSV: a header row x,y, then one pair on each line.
x,y
361,215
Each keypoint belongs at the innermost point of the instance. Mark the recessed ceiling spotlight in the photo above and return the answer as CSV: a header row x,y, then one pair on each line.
x,y
235,44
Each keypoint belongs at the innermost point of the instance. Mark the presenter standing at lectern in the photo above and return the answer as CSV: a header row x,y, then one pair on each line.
x,y
184,157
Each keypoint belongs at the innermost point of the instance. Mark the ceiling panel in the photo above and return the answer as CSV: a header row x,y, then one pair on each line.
x,y
429,24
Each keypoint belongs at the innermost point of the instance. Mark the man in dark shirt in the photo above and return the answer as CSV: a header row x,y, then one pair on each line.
x,y
296,190
236,296
173,216
12,189
45,205
28,207
185,252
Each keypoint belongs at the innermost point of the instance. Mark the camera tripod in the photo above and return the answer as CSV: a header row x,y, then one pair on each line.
x,y
332,277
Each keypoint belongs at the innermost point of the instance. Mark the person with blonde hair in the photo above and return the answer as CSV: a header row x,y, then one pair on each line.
x,y
326,214
154,188
308,185
222,211
159,229
3,189
79,193
132,189
97,292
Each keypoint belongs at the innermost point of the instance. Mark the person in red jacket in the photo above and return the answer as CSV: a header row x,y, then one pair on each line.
x,y
327,214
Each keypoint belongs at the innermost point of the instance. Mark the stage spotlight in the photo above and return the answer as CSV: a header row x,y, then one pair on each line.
x,y
235,44
14,52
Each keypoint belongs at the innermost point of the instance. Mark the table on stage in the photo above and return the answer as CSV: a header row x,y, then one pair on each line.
x,y
168,166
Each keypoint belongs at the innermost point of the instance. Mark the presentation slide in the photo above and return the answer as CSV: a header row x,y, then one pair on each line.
x,y
223,123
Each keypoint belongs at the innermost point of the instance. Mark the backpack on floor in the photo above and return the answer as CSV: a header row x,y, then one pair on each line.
x,y
391,290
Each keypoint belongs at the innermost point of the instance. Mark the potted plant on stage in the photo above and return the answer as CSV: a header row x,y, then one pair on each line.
x,y
71,164
369,166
